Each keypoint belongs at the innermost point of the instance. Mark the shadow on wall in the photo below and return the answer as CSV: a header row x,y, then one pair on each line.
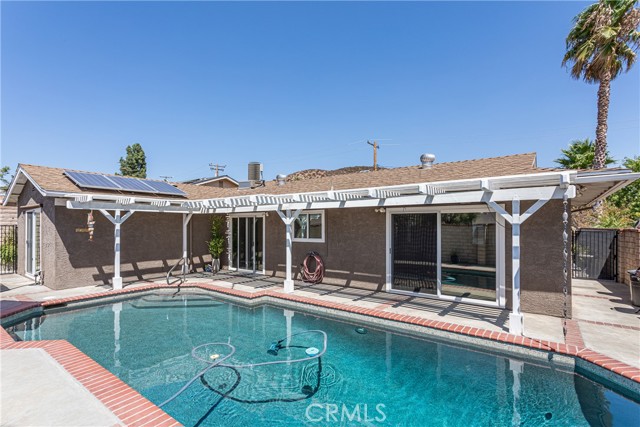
x,y
151,243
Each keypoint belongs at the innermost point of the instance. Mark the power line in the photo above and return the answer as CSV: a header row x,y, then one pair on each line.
x,y
217,168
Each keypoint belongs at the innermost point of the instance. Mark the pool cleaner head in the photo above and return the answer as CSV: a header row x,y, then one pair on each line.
x,y
274,348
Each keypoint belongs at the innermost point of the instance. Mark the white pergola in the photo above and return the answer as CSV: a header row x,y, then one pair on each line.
x,y
538,187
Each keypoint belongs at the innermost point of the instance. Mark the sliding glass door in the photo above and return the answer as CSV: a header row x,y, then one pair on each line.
x,y
469,255
247,243
450,253
32,240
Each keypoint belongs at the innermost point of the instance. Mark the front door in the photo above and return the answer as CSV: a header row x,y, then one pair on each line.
x,y
247,243
32,237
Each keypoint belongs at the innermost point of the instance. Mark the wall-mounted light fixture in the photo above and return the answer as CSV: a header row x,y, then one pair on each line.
x,y
380,210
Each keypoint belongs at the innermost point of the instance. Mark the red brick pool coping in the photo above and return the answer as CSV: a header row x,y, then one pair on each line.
x,y
135,410
124,402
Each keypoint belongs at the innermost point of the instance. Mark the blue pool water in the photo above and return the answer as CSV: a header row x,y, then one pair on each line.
x,y
375,378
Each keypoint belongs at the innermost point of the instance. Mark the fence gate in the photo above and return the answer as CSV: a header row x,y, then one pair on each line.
x,y
595,254
8,248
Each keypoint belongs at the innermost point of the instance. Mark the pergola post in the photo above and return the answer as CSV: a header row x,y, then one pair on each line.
x,y
288,220
185,222
516,319
117,221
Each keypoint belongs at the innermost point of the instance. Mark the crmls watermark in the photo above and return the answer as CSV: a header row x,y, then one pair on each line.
x,y
331,412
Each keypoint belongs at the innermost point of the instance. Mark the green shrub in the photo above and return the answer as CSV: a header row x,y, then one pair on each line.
x,y
8,252
216,244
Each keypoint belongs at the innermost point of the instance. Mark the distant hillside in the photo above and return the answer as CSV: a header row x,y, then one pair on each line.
x,y
320,173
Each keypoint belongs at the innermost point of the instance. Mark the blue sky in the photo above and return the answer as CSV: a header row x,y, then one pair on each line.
x,y
294,85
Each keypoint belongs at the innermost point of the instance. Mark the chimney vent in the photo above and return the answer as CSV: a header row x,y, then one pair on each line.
x,y
281,179
427,160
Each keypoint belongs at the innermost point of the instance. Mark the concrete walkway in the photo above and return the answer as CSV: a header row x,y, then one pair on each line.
x,y
37,391
607,321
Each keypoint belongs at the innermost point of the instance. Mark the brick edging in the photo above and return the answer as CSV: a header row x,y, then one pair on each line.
x,y
123,401
575,348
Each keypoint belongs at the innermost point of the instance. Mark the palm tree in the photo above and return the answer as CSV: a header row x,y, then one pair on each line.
x,y
580,155
600,46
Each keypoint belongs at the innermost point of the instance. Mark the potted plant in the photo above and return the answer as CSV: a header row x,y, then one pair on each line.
x,y
216,244
454,257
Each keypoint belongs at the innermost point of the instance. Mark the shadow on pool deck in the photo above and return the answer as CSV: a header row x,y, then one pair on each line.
x,y
419,306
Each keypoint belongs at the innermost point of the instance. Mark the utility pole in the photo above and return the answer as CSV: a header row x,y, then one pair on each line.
x,y
375,154
165,177
217,168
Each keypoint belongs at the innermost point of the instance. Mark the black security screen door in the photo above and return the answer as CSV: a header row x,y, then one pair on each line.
x,y
414,252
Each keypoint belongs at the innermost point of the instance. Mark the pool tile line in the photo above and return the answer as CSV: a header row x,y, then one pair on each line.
x,y
574,347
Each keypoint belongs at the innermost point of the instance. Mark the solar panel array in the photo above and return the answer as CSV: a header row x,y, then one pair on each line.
x,y
122,183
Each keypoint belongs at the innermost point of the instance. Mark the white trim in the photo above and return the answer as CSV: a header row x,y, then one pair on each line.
x,y
28,255
322,231
500,286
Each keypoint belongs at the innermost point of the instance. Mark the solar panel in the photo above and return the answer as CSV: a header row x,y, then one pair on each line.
x,y
132,184
92,180
164,188
122,183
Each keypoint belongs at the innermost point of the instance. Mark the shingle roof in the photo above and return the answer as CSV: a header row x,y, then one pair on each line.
x,y
53,179
517,164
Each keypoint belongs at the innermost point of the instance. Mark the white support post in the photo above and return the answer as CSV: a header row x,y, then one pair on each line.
x,y
185,222
288,220
117,221
516,321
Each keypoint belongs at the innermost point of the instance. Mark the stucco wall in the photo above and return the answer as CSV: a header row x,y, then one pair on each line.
x,y
541,260
353,251
354,254
151,243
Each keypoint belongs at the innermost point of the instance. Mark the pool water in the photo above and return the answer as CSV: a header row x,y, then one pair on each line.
x,y
366,377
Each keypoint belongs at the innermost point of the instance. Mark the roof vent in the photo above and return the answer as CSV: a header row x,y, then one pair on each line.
x,y
281,179
427,160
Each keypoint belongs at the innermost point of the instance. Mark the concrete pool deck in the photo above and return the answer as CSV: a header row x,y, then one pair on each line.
x,y
604,329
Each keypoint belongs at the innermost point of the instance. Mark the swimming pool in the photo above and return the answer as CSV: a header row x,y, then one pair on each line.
x,y
367,376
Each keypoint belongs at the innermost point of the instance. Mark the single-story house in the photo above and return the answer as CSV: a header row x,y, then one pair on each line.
x,y
489,231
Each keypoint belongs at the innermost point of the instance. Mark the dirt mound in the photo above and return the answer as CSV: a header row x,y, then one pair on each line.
x,y
321,173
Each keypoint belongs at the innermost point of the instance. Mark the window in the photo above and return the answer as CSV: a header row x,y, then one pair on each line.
x,y
309,227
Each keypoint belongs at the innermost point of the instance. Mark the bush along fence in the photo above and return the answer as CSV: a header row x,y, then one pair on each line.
x,y
8,249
